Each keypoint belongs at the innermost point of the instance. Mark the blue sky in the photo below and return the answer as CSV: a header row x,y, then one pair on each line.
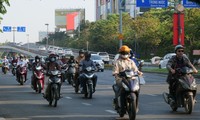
x,y
34,14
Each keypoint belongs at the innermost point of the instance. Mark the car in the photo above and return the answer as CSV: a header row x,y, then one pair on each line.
x,y
104,56
165,59
50,49
60,51
68,52
155,60
98,62
42,48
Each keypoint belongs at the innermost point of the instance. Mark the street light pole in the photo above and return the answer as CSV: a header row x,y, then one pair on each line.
x,y
47,42
13,29
28,41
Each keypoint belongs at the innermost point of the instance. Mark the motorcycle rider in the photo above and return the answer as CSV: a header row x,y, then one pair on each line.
x,y
84,64
178,61
123,63
37,62
70,61
78,59
51,65
14,61
5,61
23,63
132,57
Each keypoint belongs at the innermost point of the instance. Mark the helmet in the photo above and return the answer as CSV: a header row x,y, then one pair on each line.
x,y
37,58
21,56
72,57
125,49
52,57
178,47
81,51
87,55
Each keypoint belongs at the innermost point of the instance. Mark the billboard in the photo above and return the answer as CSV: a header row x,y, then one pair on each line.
x,y
61,20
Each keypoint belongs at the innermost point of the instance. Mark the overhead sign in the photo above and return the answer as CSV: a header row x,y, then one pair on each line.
x,y
152,3
189,4
7,28
21,29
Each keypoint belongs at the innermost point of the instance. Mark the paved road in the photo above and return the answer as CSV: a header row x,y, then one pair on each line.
x,y
22,103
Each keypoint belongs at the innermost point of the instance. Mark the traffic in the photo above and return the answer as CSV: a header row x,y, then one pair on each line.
x,y
81,73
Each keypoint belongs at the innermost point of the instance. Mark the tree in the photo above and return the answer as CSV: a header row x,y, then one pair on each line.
x,y
3,8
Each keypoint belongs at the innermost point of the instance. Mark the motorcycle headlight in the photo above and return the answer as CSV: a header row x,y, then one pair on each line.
x,y
125,86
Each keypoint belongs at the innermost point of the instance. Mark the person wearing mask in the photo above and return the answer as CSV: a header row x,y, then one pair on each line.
x,y
132,57
51,66
84,64
123,63
23,63
78,59
37,62
179,60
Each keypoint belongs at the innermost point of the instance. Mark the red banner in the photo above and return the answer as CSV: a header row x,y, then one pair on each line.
x,y
176,35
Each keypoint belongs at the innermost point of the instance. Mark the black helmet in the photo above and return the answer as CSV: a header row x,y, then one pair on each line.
x,y
178,47
21,56
37,58
81,51
71,57
87,55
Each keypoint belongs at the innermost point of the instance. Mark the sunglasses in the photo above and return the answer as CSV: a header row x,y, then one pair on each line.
x,y
180,51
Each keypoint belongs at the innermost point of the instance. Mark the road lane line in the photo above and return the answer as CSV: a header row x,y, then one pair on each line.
x,y
152,95
2,119
68,98
111,111
87,104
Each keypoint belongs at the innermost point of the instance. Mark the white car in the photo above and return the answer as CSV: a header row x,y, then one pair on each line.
x,y
165,59
68,52
42,48
60,51
104,56
98,61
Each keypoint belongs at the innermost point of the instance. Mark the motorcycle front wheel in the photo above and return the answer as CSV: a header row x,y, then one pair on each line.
x,y
38,87
131,108
21,80
189,104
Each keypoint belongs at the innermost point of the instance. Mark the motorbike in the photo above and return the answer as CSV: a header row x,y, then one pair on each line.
x,y
71,73
64,72
22,71
141,64
37,81
14,67
54,85
185,91
5,67
127,96
89,73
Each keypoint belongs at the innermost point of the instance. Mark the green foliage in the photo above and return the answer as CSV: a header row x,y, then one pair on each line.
x,y
3,8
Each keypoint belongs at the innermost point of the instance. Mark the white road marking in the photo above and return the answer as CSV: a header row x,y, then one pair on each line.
x,y
111,111
2,119
68,98
87,104
151,94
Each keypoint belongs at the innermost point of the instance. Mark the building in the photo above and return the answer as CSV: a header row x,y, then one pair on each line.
x,y
105,7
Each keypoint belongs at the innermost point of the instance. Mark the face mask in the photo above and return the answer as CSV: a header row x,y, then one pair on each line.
x,y
125,56
53,59
37,60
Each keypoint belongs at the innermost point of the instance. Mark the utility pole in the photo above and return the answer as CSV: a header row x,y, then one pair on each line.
x,y
121,7
47,42
14,30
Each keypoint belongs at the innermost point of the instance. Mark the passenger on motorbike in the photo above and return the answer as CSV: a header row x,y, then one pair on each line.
x,y
132,57
51,65
70,62
14,60
123,63
23,63
84,64
178,61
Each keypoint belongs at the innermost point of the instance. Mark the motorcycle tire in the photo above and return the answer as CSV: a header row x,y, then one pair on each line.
x,y
38,87
132,108
21,80
189,104
54,98
13,72
90,90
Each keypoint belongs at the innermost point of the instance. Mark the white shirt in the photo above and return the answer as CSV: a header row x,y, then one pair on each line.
x,y
22,63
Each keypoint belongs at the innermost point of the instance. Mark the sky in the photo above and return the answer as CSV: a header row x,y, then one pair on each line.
x,y
34,14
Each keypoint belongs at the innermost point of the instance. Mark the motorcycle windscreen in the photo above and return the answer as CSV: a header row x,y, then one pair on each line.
x,y
188,82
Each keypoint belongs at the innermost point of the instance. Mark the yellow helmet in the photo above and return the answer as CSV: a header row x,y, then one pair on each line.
x,y
124,48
